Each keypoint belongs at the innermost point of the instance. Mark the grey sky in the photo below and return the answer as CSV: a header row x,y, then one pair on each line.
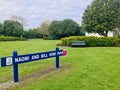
x,y
37,11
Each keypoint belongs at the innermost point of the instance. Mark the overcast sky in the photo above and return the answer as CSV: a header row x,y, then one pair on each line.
x,y
37,11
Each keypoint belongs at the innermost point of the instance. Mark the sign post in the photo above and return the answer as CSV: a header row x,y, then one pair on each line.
x,y
57,57
18,59
15,67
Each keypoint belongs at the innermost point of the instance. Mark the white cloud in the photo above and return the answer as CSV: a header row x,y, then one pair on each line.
x,y
36,11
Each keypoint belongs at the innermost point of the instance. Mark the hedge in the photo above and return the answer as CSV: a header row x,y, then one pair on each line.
x,y
4,38
92,41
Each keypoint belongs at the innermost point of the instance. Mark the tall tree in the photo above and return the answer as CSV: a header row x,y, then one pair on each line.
x,y
20,19
65,28
31,33
70,27
43,29
102,16
55,29
1,28
12,28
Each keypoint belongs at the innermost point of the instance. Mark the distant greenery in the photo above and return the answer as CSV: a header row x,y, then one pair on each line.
x,y
42,30
31,34
47,30
55,30
15,29
3,38
11,28
93,41
65,28
102,16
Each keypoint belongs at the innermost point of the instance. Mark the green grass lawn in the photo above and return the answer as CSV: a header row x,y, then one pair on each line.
x,y
95,68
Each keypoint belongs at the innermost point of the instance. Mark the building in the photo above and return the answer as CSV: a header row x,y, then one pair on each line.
x,y
110,34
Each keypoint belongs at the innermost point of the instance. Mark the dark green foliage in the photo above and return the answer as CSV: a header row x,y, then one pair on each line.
x,y
46,38
15,28
12,28
65,28
31,33
3,38
1,28
93,41
102,16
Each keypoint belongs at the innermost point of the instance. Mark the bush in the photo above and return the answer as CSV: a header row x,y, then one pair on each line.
x,y
92,41
3,38
46,38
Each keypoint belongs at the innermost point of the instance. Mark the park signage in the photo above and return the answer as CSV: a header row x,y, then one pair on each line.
x,y
18,59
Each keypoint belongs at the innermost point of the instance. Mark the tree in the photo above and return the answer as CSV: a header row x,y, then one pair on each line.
x,y
117,31
12,28
102,16
65,28
31,33
1,28
19,19
43,29
70,28
55,29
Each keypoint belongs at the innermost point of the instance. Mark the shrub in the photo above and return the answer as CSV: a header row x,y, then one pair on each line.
x,y
3,38
46,38
93,41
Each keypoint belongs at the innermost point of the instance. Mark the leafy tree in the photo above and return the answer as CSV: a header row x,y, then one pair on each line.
x,y
1,28
30,34
19,19
70,27
43,29
65,28
82,31
102,16
55,30
117,31
12,28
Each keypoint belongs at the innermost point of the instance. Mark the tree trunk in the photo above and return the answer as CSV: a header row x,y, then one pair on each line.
x,y
106,33
117,31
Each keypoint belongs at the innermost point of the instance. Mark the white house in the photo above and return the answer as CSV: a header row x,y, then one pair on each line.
x,y
110,34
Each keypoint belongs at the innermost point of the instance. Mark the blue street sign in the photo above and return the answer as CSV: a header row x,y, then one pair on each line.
x,y
6,61
18,59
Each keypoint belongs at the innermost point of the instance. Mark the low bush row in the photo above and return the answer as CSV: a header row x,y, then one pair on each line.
x,y
92,41
4,38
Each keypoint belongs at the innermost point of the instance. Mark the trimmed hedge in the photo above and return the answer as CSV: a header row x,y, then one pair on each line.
x,y
3,38
92,41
